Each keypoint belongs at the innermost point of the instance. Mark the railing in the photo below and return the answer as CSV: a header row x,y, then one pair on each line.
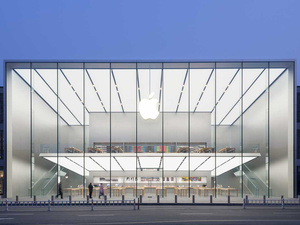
x,y
254,190
55,204
271,202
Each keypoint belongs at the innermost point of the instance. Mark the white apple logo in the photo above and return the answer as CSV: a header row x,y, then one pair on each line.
x,y
149,107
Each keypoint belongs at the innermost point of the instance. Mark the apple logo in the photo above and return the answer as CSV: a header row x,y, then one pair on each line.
x,y
149,107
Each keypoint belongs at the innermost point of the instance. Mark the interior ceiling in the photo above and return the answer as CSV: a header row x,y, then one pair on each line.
x,y
172,87
150,161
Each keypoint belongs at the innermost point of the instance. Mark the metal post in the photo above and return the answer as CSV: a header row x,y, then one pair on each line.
x,y
193,198
282,203
246,198
264,199
176,199
48,205
105,198
141,198
228,199
123,199
17,198
6,205
244,203
134,204
52,198
157,198
87,199
34,198
138,204
92,206
211,199
70,199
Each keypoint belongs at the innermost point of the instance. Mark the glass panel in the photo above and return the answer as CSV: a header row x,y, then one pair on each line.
x,y
123,131
44,131
281,105
19,129
228,129
202,129
176,127
255,129
150,147
71,172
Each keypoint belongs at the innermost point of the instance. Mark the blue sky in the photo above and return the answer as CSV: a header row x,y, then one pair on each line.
x,y
149,30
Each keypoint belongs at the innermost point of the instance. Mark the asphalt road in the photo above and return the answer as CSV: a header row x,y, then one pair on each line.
x,y
152,215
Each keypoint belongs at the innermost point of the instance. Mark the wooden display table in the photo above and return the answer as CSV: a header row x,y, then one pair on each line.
x,y
227,150
136,191
160,189
94,150
72,150
170,187
227,191
150,188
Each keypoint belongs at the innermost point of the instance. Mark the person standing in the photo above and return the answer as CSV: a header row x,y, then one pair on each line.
x,y
60,192
91,190
101,190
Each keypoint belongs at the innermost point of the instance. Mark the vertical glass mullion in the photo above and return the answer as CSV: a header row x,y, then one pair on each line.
x,y
189,130
268,129
83,108
57,126
241,130
215,131
110,128
136,129
31,130
162,127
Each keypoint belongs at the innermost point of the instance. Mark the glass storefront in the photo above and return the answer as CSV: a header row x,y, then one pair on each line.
x,y
205,128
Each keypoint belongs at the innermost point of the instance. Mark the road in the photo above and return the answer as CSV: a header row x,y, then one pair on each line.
x,y
152,215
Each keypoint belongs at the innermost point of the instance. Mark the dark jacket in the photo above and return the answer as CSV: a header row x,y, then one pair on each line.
x,y
90,187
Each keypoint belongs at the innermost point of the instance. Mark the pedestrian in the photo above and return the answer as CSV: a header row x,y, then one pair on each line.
x,y
101,190
60,192
91,190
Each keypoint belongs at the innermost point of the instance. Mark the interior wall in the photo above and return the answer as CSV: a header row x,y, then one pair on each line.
x,y
279,137
123,129
20,137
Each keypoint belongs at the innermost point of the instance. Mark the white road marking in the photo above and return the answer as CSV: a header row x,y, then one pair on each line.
x,y
287,213
88,215
196,213
17,214
6,218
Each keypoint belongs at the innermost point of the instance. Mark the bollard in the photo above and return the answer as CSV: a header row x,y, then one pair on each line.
x,y
134,204
157,198
70,199
123,199
299,199
52,198
246,198
92,205
211,199
17,198
193,198
48,205
282,203
34,198
87,199
244,203
228,199
141,198
6,205
138,204
176,199
264,199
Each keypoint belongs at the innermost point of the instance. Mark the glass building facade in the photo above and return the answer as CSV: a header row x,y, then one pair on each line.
x,y
191,128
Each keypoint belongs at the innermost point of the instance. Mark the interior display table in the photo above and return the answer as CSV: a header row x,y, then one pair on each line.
x,y
227,191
